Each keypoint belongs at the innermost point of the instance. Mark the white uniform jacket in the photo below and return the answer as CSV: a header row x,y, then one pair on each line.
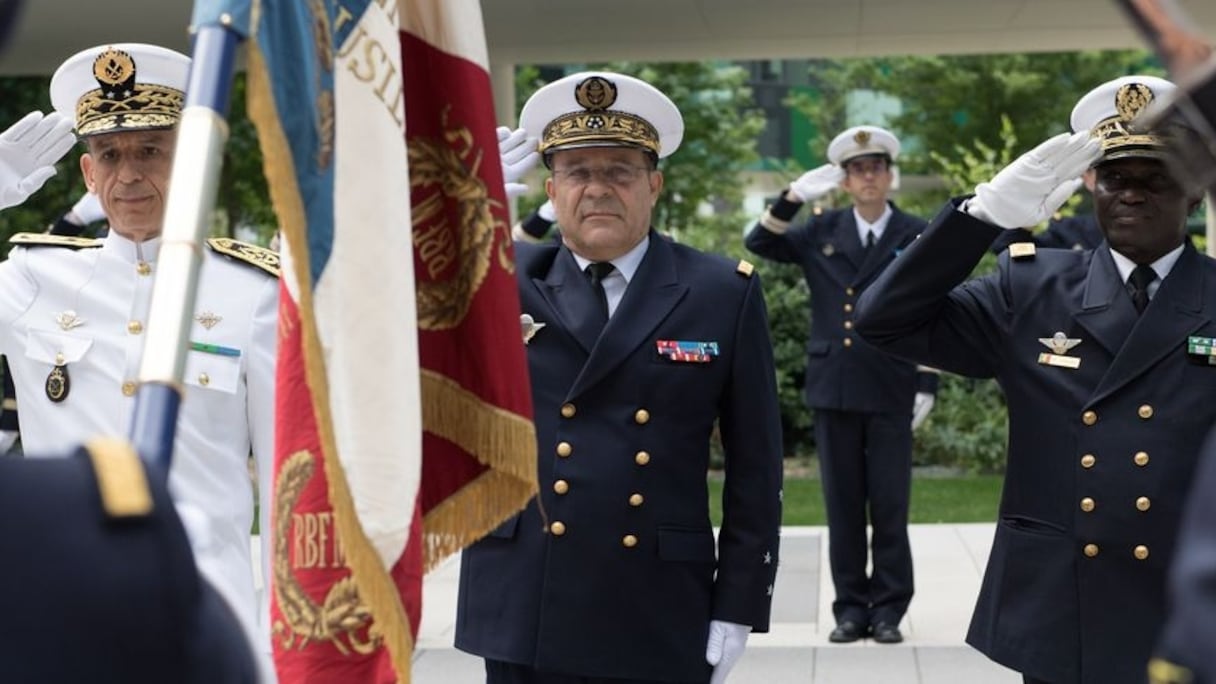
x,y
82,313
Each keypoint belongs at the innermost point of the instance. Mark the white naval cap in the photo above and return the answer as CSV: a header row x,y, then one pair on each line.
x,y
1107,111
121,86
862,141
602,109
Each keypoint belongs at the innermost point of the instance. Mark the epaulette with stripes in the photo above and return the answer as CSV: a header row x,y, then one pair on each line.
x,y
48,240
260,257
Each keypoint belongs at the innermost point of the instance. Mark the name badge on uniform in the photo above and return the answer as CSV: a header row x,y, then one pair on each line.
x,y
1201,350
687,351
1060,344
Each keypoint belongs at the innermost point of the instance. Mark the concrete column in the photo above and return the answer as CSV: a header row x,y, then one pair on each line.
x,y
502,82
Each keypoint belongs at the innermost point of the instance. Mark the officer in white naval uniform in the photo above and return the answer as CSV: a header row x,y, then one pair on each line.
x,y
73,313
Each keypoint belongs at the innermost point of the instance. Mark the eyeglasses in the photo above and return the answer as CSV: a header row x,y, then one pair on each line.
x,y
865,167
614,174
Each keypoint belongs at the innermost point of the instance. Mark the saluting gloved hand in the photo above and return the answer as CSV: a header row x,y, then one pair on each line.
x,y
922,404
519,156
88,209
28,152
726,643
546,211
1035,184
816,183
535,227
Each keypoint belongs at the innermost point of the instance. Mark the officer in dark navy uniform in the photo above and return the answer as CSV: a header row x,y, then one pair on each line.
x,y
99,582
865,402
637,348
1104,357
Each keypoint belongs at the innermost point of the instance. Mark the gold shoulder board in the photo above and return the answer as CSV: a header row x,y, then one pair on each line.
x,y
745,268
48,240
1161,671
265,259
1021,250
121,480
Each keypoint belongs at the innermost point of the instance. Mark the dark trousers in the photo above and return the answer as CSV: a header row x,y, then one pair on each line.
x,y
865,463
1032,680
498,672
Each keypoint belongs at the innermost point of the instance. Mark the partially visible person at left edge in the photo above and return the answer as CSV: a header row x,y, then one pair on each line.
x,y
637,347
100,583
1109,393
73,313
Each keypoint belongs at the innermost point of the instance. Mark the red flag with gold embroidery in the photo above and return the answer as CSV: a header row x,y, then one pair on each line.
x,y
403,406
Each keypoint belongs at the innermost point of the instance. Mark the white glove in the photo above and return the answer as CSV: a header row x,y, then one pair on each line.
x,y
921,405
1034,185
546,211
726,643
816,183
88,209
519,156
7,439
28,152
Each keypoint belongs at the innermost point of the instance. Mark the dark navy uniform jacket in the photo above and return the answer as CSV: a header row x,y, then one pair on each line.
x,y
1100,455
1070,232
622,584
843,372
93,590
1185,653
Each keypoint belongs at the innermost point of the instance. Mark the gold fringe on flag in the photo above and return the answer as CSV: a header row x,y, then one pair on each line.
x,y
495,437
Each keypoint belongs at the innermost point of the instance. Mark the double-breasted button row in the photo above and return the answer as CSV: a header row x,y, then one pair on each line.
x,y
1140,458
1140,552
558,529
1145,412
1143,503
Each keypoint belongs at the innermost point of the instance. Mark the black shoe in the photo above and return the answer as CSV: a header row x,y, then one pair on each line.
x,y
847,632
886,633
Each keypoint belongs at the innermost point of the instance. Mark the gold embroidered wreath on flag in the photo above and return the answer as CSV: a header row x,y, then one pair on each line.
x,y
435,165
342,614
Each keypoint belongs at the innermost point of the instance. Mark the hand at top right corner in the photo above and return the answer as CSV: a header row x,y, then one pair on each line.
x,y
1033,186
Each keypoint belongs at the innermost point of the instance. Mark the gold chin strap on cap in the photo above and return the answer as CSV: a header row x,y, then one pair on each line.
x,y
121,479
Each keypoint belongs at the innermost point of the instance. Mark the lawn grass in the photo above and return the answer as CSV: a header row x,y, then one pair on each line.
x,y
972,498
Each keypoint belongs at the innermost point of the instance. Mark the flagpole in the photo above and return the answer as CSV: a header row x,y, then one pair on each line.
x,y
201,135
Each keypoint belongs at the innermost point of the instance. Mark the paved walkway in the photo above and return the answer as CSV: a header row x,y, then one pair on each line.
x,y
949,562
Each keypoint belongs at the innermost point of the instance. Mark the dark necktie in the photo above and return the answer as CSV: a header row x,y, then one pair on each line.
x,y
1138,284
597,271
869,239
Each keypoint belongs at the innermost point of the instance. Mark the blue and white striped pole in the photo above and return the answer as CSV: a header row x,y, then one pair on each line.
x,y
219,28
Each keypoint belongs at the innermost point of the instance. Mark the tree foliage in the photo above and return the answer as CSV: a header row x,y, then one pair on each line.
x,y
946,100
